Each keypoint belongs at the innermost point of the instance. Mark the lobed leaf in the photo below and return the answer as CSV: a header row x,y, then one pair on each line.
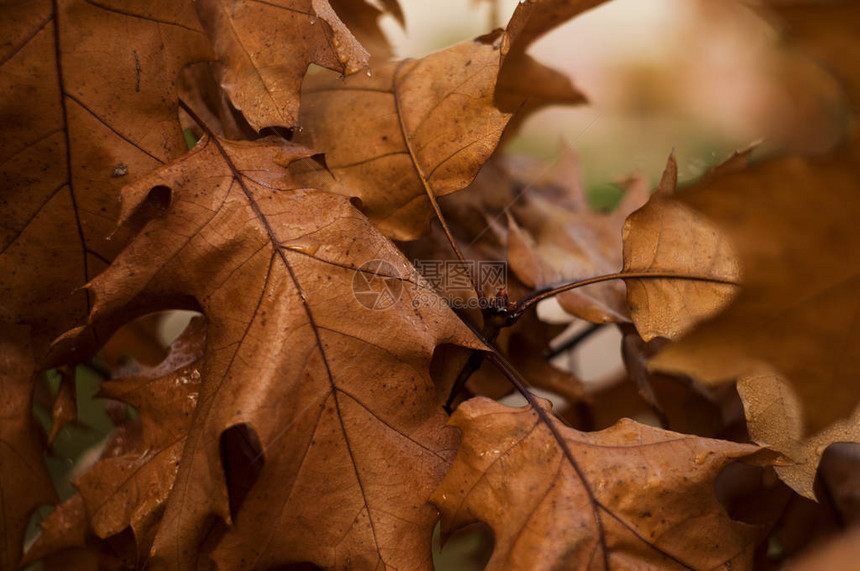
x,y
625,497
88,91
265,48
337,393
666,235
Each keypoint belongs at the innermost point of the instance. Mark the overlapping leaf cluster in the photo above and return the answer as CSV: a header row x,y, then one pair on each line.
x,y
296,423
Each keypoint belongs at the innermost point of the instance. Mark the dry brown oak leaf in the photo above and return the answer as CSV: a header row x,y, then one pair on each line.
x,y
362,18
555,237
87,103
338,394
413,129
418,129
794,224
630,496
65,529
265,48
24,480
668,236
127,486
774,419
810,401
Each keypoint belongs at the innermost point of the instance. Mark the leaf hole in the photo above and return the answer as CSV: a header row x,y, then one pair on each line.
x,y
159,198
468,548
242,459
154,206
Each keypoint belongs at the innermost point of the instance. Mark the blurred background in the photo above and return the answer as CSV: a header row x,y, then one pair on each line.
x,y
702,77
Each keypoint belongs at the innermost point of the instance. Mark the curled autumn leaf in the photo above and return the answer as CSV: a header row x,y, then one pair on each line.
x,y
775,419
667,236
127,486
400,150
265,48
131,481
628,496
399,145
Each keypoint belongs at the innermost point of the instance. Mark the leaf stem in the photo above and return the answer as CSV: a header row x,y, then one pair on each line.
x,y
431,196
552,290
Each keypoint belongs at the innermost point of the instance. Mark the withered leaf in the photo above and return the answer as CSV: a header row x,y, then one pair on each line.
x,y
775,419
127,487
626,497
337,393
668,236
24,480
88,103
421,128
415,127
793,223
266,47
562,239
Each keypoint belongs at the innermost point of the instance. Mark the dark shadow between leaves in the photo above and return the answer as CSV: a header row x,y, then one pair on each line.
x,y
242,459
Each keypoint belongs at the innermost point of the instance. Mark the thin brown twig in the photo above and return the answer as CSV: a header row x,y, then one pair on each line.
x,y
550,291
